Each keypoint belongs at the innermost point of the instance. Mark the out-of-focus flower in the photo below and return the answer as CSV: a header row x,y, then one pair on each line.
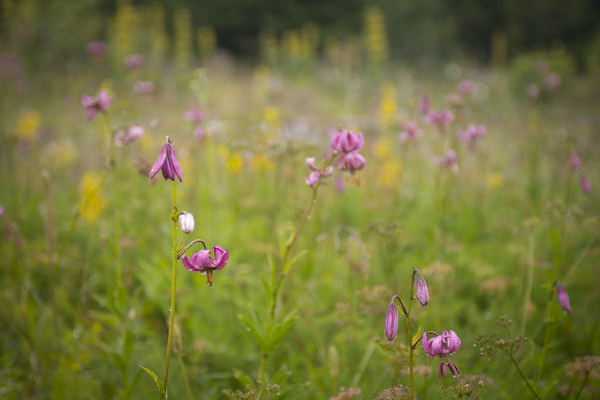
x,y
199,133
134,61
441,119
1,210
316,173
235,162
346,141
144,87
262,162
126,136
586,187
494,180
204,263
563,297
575,161
533,91
28,125
97,104
340,185
389,176
167,163
410,132
387,105
352,162
186,222
448,161
9,66
391,320
382,149
455,100
442,346
422,292
92,201
425,105
271,115
467,87
96,49
472,134
552,81
194,115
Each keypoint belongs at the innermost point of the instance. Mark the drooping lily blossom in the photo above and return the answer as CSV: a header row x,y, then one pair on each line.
x,y
167,163
204,263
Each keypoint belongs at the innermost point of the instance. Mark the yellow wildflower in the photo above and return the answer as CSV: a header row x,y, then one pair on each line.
x,y
494,180
28,124
92,201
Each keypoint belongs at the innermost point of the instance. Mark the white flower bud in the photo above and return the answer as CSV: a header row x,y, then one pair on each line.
x,y
186,221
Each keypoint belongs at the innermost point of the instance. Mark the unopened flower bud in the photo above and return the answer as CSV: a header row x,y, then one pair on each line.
x,y
186,222
442,371
391,321
453,369
563,297
422,293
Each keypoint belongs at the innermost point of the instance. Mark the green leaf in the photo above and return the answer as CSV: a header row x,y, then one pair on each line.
x,y
157,381
243,379
254,327
289,264
281,329
416,336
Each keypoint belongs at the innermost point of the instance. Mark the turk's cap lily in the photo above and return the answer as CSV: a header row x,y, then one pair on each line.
x,y
563,297
204,263
391,321
467,87
352,162
143,87
575,161
425,105
95,105
410,132
346,141
126,136
186,222
167,163
586,187
440,345
96,48
422,292
316,173
134,61
194,115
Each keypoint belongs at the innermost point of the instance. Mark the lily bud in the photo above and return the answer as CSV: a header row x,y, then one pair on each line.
x,y
563,297
453,369
186,222
442,371
422,293
391,321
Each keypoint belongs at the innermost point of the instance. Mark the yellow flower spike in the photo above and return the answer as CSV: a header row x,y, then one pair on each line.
x,y
28,125
223,152
390,173
382,149
262,162
494,180
235,163
271,115
387,105
92,201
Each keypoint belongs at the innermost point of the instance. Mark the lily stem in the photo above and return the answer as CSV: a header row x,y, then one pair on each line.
x,y
173,289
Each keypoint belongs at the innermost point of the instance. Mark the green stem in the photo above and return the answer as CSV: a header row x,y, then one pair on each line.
x,y
111,163
173,288
587,375
186,379
411,375
546,338
531,388
529,282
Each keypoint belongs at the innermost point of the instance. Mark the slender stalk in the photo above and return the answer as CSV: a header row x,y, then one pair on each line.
x,y
587,376
186,379
546,339
411,375
529,282
531,388
111,163
173,288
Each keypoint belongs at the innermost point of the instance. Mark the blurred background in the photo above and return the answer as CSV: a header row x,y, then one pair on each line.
x,y
479,190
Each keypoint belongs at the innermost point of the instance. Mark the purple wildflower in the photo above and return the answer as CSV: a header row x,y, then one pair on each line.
x,y
552,81
352,162
563,297
441,119
96,49
442,346
97,104
126,136
205,264
1,210
134,61
194,115
472,134
575,161
533,91
316,173
167,163
586,187
467,87
410,132
143,87
425,105
199,133
391,320
422,292
448,161
346,141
